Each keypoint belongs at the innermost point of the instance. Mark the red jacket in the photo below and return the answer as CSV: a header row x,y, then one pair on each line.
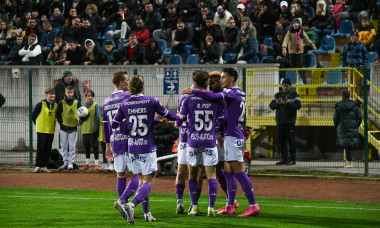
x,y
143,36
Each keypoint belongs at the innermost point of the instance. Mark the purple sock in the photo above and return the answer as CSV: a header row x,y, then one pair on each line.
x,y
193,190
142,192
212,192
222,180
231,187
131,188
145,204
120,185
179,188
246,185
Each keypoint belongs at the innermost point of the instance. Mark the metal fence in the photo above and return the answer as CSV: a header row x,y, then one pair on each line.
x,y
315,138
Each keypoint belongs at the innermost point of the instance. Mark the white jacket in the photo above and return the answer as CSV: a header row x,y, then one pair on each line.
x,y
30,52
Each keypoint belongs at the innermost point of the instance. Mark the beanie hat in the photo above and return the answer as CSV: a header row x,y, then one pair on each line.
x,y
286,81
67,72
297,20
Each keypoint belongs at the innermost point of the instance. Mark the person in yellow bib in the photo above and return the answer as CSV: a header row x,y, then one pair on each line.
x,y
90,130
44,119
67,118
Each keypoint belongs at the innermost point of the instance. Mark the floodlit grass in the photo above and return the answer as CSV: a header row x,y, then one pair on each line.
x,y
22,207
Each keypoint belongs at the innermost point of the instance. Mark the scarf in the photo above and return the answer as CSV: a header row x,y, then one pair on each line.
x,y
298,39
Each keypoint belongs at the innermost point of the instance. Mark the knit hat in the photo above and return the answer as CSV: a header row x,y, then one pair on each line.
x,y
286,81
297,20
67,72
354,33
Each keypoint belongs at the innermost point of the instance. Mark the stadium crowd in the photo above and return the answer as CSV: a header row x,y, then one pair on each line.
x,y
107,32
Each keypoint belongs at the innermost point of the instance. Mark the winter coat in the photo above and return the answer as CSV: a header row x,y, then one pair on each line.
x,y
96,57
48,38
75,57
347,119
37,31
324,20
13,53
290,42
209,54
366,34
142,36
155,55
249,50
138,53
153,21
354,53
286,114
112,57
31,54
185,37
4,35
192,9
59,88
58,57
231,35
164,137
96,21
128,17
68,32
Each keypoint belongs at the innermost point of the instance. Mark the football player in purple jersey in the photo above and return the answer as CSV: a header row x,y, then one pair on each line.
x,y
234,139
201,116
116,141
139,112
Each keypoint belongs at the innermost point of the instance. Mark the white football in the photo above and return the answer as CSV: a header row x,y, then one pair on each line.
x,y
82,112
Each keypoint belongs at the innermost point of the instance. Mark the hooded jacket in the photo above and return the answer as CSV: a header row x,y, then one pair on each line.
x,y
155,55
325,20
31,53
96,57
347,119
60,90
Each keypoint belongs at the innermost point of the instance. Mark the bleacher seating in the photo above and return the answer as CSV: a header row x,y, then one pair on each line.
x,y
229,57
345,29
175,60
161,44
292,76
121,44
192,59
371,57
309,60
327,46
265,58
108,28
333,77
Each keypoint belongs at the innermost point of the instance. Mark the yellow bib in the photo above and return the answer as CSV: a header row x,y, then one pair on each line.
x,y
45,122
69,114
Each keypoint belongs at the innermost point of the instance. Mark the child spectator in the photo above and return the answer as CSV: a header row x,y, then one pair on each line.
x,y
209,52
153,53
57,55
112,56
311,34
366,32
93,54
67,118
44,119
90,130
336,10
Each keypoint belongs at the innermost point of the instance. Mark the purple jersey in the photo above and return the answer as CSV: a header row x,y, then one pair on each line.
x,y
234,111
117,137
139,112
201,118
183,127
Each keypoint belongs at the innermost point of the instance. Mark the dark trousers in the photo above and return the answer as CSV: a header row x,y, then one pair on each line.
x,y
90,140
348,153
103,145
44,144
296,60
286,134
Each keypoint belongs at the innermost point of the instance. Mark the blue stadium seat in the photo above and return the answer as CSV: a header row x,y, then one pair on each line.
x,y
175,60
345,29
309,60
292,76
229,57
371,57
333,77
268,41
121,44
104,45
108,28
312,12
327,46
192,59
162,44
265,58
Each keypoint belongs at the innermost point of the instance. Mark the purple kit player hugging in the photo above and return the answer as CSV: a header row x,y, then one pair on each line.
x,y
116,141
234,140
201,117
138,112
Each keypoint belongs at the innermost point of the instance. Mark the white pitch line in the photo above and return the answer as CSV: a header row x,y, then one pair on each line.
x,y
174,201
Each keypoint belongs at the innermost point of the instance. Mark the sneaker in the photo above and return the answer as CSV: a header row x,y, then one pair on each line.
x,y
86,167
70,167
230,210
129,210
120,207
190,208
110,167
149,217
37,169
195,211
210,212
45,170
251,211
291,163
220,61
281,163
180,208
62,167
96,167
236,206
349,164
103,167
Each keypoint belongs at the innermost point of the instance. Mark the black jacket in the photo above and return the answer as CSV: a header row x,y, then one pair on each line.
x,y
347,119
128,17
164,137
60,90
185,37
286,114
155,55
75,56
138,53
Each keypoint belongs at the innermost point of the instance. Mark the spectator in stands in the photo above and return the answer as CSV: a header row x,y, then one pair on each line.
x,y
209,52
216,32
20,7
35,14
354,52
375,46
246,49
266,22
72,31
89,32
164,137
94,17
278,56
312,36
366,32
57,18
248,27
230,36
182,42
297,12
48,36
141,9
73,13
92,55
13,58
108,8
294,41
112,56
57,55
22,22
286,103
202,17
66,80
31,52
43,7
34,28
152,18
79,6
322,23
4,35
57,4
153,53
284,21
133,51
356,11
125,23
222,16
347,119
187,11
305,6
336,10
239,14
74,53
169,25
142,32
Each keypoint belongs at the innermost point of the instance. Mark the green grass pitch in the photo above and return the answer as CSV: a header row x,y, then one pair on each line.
x,y
21,207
